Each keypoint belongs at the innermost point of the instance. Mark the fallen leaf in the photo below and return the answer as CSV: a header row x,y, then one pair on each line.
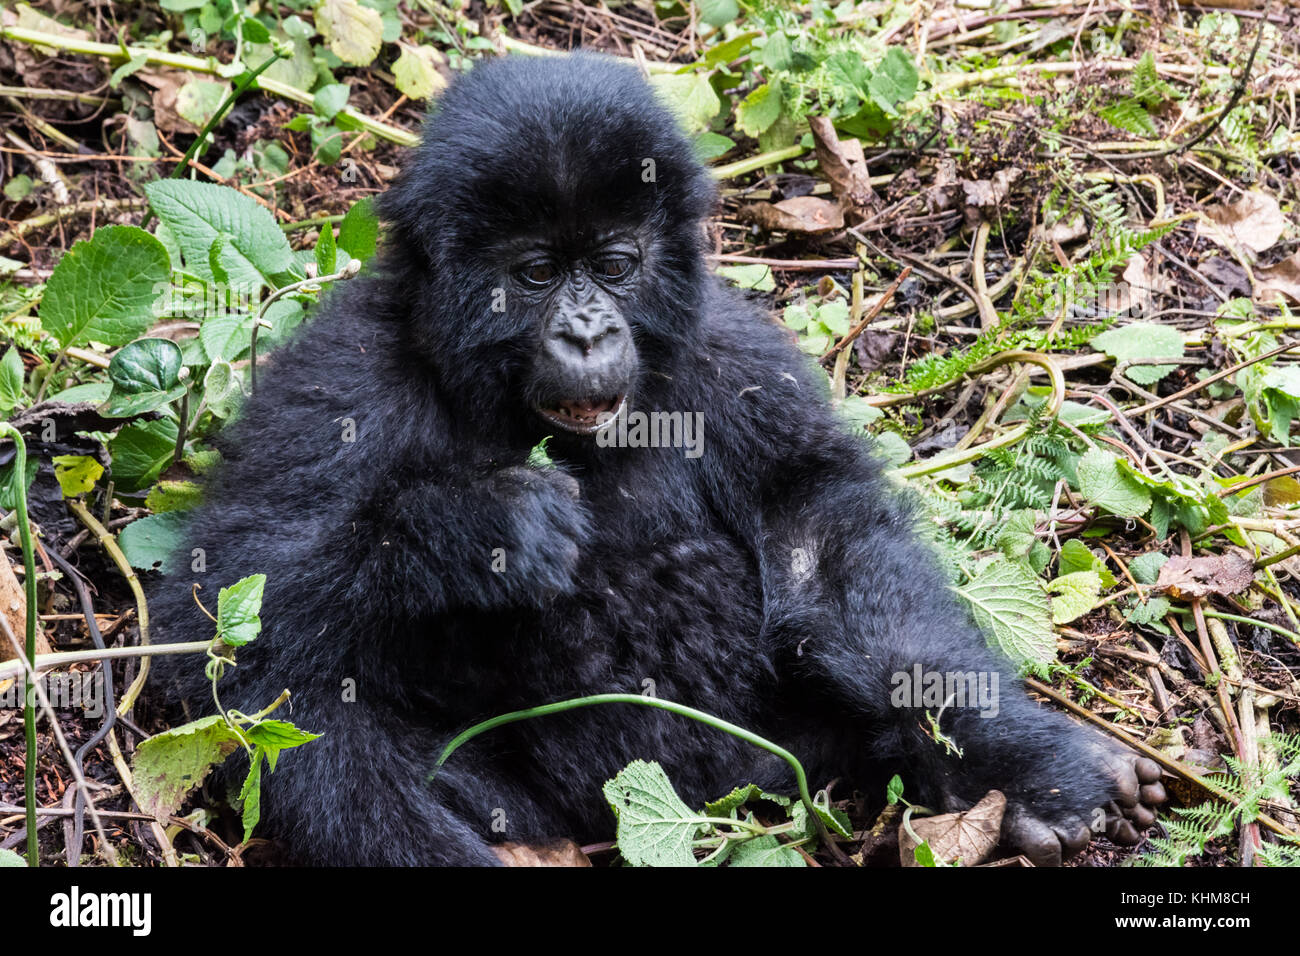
x,y
1279,282
843,164
1253,223
556,853
969,836
804,214
1227,573
13,605
988,193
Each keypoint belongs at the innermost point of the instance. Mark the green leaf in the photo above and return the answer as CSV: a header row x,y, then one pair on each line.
x,y
359,230
709,145
1018,541
273,736
894,81
415,73
105,288
198,100
9,482
858,412
1077,556
330,98
776,54
538,457
654,827
10,858
690,96
255,31
145,376
894,790
1103,483
352,31
1151,614
136,62
173,496
1075,595
757,277
250,796
222,390
169,765
238,609
11,380
197,213
77,474
1007,602
760,109
764,851
1142,340
738,797
150,543
1145,568
718,13
1129,114
326,251
141,450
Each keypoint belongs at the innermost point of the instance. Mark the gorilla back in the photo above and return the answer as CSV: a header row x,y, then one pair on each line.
x,y
544,276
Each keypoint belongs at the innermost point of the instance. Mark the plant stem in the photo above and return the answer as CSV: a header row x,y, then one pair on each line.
x,y
29,637
681,709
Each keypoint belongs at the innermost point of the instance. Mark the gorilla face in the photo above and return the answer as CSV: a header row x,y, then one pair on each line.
x,y
553,240
586,359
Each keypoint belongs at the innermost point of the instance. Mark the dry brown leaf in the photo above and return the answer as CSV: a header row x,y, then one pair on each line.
x,y
1253,223
556,853
804,214
13,605
166,88
988,193
1279,282
1227,573
843,164
969,836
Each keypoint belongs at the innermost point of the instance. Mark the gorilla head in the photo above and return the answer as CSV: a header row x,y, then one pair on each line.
x,y
551,218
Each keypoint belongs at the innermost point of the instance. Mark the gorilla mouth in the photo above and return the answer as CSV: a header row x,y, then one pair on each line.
x,y
582,415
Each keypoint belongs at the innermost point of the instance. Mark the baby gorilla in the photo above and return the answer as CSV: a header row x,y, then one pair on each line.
x,y
544,274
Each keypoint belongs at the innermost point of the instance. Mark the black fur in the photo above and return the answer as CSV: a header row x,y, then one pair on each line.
x,y
676,570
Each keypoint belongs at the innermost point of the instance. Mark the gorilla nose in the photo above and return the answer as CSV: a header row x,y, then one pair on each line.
x,y
590,335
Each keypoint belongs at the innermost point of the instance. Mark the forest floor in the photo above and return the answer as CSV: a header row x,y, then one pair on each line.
x,y
1049,258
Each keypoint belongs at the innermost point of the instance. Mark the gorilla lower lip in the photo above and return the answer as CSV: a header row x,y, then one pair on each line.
x,y
582,415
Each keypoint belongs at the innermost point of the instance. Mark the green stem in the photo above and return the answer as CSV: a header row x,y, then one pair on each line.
x,y
1292,636
560,707
245,81
29,642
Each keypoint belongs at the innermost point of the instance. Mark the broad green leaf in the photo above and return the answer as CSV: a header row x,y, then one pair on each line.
x,y
359,230
76,474
105,288
757,277
10,858
222,389
739,797
169,765
352,31
416,72
145,376
718,13
326,251
250,796
760,109
654,827
238,607
690,96
330,98
894,81
1141,340
764,851
11,380
1145,568
273,736
141,450
150,543
226,336
709,145
1077,556
1074,595
1103,483
1018,541
893,447
1007,601
173,496
198,100
197,213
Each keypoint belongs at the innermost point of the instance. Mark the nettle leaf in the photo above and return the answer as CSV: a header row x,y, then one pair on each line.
x,y
1018,541
655,828
197,213
1102,482
105,288
894,81
1077,556
330,98
709,145
1074,595
764,851
141,450
1145,568
760,109
1140,340
1007,601
169,765
150,543
198,100
272,736
238,610
10,858
359,230
690,96
76,474
173,496
145,376
352,31
326,251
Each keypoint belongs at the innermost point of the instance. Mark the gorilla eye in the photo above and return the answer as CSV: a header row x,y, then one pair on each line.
x,y
614,267
539,273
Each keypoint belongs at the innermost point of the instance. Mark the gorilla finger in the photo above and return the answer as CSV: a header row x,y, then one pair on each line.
x,y
1126,780
1036,840
1148,771
1152,794
1121,832
1074,841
